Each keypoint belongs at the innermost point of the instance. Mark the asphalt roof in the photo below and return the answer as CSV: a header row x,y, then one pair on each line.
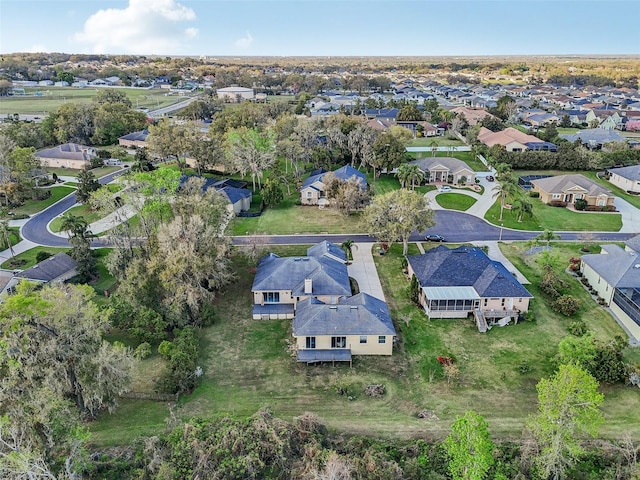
x,y
597,135
343,173
140,136
631,172
465,266
561,183
453,164
618,267
361,314
49,269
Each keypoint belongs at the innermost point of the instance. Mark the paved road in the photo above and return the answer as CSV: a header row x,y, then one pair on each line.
x,y
35,230
160,112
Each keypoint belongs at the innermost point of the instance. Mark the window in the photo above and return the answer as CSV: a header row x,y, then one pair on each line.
x,y
311,342
363,339
485,301
309,194
382,339
519,300
271,297
556,195
502,303
338,342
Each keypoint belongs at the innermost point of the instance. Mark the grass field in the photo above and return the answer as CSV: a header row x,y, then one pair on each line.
x,y
34,206
83,211
52,97
546,217
29,257
248,364
14,237
441,141
455,201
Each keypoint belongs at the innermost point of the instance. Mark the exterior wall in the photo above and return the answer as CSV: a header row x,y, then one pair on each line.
x,y
309,200
628,323
372,347
624,183
285,297
515,147
132,143
544,196
63,163
510,303
471,176
232,95
603,289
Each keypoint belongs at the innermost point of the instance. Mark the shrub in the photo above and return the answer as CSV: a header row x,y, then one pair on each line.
x,y
557,203
566,305
41,256
578,328
580,204
143,351
524,367
534,194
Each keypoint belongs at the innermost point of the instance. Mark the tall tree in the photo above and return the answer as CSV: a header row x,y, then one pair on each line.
x,y
409,173
395,215
568,410
469,447
167,139
87,184
249,151
388,153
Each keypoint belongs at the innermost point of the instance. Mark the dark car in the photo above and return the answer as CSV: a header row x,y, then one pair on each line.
x,y
490,178
432,237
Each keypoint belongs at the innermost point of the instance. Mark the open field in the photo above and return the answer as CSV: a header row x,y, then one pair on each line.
x,y
50,99
248,364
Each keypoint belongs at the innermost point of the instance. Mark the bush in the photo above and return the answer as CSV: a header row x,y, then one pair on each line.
x,y
534,194
578,328
41,256
143,351
524,367
580,204
557,203
566,305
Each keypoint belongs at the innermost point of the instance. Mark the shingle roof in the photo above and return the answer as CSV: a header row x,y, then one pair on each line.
x,y
343,173
453,164
465,266
597,135
66,151
361,314
631,172
619,268
49,269
140,136
328,276
327,249
561,183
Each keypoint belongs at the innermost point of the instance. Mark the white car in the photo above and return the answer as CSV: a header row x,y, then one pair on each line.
x,y
444,188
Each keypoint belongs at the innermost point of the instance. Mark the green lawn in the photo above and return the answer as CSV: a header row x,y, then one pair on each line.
x,y
441,141
14,237
248,365
34,206
83,211
27,259
51,98
546,217
455,201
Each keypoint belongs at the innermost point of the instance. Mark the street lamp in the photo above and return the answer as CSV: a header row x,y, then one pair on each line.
x,y
500,239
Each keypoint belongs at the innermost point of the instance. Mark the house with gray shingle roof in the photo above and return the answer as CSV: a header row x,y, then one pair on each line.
x,y
134,139
594,138
312,191
569,188
455,283
439,169
67,155
626,178
614,273
56,269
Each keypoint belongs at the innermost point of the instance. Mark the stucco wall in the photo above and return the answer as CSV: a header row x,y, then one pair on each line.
x,y
372,347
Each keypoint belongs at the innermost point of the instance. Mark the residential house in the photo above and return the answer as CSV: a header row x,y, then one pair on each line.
x,y
569,188
594,138
134,139
358,325
68,155
235,93
56,269
446,169
626,178
614,274
514,140
455,283
428,129
473,116
237,194
313,192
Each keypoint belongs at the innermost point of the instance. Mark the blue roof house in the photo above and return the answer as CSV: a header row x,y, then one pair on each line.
x,y
455,283
313,192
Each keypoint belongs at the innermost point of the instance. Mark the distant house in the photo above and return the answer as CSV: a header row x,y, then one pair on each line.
x,y
626,178
329,324
233,93
441,168
236,192
57,269
455,283
68,155
594,138
514,140
313,192
473,116
569,188
134,139
614,274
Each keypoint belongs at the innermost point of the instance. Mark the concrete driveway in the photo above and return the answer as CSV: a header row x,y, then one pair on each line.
x,y
478,209
630,216
364,271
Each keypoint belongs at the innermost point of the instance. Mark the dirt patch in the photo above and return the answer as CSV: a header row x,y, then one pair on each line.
x,y
427,414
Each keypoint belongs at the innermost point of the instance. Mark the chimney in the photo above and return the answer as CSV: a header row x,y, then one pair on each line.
x,y
308,286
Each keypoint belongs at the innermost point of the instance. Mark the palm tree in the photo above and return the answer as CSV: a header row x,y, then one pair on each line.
x,y
74,225
547,236
409,172
348,246
523,207
6,235
506,188
434,148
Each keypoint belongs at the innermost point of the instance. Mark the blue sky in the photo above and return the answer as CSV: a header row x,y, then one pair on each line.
x,y
321,27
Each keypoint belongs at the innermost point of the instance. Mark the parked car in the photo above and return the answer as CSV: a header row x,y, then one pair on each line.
x,y
490,178
444,188
432,237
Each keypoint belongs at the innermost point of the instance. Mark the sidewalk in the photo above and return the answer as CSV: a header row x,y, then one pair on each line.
x,y
495,254
19,247
364,271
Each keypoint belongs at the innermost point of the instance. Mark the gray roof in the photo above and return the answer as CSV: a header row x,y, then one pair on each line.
x,y
619,268
345,174
453,164
328,276
594,135
49,269
562,183
361,314
140,136
631,172
634,243
66,151
327,249
465,266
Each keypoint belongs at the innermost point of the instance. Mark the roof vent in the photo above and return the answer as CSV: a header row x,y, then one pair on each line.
x,y
333,307
354,307
637,265
296,259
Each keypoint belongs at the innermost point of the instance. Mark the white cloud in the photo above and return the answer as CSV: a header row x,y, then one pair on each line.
x,y
244,42
143,27
38,48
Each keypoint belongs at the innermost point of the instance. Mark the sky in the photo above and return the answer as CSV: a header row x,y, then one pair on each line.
x,y
321,27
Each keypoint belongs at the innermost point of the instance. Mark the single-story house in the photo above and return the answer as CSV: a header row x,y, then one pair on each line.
x,y
473,116
457,282
329,324
626,178
56,269
233,93
134,139
68,155
313,192
513,140
358,325
236,192
440,168
569,188
614,274
594,138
